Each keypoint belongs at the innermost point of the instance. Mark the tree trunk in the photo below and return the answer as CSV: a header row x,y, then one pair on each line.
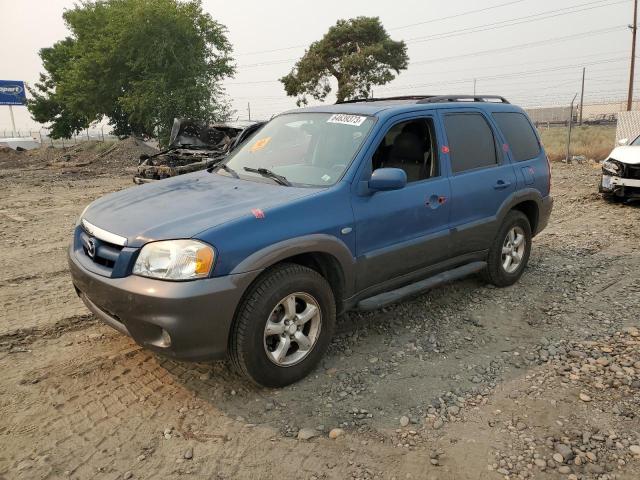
x,y
340,94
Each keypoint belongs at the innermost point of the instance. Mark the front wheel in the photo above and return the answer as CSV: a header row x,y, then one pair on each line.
x,y
510,251
283,326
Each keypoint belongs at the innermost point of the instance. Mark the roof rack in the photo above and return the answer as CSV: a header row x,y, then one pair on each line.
x,y
383,99
463,98
434,99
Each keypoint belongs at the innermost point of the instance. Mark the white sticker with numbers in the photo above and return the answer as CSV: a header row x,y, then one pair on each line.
x,y
355,120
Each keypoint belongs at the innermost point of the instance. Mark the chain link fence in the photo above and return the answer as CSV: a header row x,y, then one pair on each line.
x,y
42,137
600,113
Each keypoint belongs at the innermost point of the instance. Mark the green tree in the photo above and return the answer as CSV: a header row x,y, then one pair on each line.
x,y
358,53
139,63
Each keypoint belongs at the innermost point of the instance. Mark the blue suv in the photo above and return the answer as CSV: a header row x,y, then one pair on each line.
x,y
322,210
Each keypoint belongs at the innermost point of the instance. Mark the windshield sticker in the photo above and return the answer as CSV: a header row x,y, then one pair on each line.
x,y
260,144
326,177
355,120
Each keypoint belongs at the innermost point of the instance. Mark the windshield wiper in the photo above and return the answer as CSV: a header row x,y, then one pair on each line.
x,y
265,172
226,168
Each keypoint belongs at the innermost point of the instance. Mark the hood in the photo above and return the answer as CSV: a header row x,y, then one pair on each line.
x,y
183,206
628,154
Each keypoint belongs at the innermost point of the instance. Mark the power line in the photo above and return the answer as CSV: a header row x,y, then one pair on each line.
x,y
449,17
516,21
483,52
549,41
462,14
475,29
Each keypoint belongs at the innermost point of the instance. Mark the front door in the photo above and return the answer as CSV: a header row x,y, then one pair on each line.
x,y
401,231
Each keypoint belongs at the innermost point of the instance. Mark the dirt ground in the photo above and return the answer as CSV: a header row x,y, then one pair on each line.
x,y
538,380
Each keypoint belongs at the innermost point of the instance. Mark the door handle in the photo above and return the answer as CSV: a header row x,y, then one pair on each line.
x,y
501,185
434,201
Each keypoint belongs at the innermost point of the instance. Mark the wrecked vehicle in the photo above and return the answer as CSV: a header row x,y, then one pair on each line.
x,y
621,172
193,146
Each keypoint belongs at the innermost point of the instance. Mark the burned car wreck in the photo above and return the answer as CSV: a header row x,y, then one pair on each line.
x,y
193,145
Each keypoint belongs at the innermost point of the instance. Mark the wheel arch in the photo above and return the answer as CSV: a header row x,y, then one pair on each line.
x,y
529,202
325,254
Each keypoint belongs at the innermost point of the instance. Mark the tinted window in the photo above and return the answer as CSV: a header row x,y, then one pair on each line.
x,y
471,143
519,134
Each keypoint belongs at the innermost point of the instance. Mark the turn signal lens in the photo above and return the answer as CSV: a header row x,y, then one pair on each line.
x,y
204,261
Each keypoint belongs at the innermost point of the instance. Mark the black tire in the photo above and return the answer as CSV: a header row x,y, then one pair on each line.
x,y
612,198
247,344
495,273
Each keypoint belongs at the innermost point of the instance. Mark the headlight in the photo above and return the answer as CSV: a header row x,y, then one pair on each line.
x,y
175,260
612,166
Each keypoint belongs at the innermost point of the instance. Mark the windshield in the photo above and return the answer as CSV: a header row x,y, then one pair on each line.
x,y
308,149
636,142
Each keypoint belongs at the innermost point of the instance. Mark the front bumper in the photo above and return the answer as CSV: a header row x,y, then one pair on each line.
x,y
197,315
623,187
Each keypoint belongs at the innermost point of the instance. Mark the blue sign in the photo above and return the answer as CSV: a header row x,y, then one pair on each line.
x,y
12,92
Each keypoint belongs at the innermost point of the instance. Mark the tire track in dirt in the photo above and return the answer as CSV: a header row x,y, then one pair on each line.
x,y
18,340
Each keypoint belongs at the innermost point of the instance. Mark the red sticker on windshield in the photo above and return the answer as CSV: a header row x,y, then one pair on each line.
x,y
445,149
505,147
257,212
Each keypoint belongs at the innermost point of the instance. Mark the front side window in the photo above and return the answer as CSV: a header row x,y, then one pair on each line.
x,y
410,146
308,149
518,131
636,142
471,142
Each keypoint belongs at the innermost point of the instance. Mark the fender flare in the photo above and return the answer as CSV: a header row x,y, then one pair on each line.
x,y
528,194
315,243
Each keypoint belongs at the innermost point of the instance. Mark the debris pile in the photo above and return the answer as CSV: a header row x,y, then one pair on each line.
x,y
193,146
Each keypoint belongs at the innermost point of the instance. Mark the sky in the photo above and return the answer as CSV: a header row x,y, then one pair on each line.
x,y
530,51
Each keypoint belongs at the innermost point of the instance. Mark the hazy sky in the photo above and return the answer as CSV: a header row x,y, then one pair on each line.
x,y
531,51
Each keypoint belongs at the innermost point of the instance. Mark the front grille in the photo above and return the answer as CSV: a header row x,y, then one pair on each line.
x,y
632,171
100,252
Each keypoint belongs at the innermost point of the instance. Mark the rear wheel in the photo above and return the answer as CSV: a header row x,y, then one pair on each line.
x,y
510,251
283,326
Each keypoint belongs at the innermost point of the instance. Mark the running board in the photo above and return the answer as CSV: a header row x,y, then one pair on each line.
x,y
393,296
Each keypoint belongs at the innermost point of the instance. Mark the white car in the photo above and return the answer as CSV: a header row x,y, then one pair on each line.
x,y
621,172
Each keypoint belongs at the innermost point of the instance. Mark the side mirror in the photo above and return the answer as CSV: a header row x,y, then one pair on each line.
x,y
623,141
388,179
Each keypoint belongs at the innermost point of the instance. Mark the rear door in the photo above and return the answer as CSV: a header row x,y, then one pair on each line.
x,y
525,151
401,231
481,177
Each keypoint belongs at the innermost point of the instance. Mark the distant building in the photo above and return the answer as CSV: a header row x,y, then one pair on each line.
x,y
602,112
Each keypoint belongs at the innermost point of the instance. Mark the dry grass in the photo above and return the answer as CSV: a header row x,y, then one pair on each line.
x,y
594,142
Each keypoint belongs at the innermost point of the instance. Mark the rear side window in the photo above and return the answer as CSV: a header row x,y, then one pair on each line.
x,y
471,142
519,134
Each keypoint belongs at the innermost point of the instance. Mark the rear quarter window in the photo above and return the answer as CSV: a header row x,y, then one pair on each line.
x,y
471,141
519,133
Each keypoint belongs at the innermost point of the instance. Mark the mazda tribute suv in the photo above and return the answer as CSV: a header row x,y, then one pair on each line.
x,y
322,210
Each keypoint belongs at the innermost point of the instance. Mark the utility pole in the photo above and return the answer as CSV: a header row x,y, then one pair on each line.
x,y
13,122
634,29
249,109
568,157
581,96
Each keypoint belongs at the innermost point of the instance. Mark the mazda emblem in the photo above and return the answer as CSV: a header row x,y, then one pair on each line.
x,y
91,248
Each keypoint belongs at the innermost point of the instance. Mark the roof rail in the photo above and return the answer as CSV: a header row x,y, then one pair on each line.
x,y
463,98
433,99
382,99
